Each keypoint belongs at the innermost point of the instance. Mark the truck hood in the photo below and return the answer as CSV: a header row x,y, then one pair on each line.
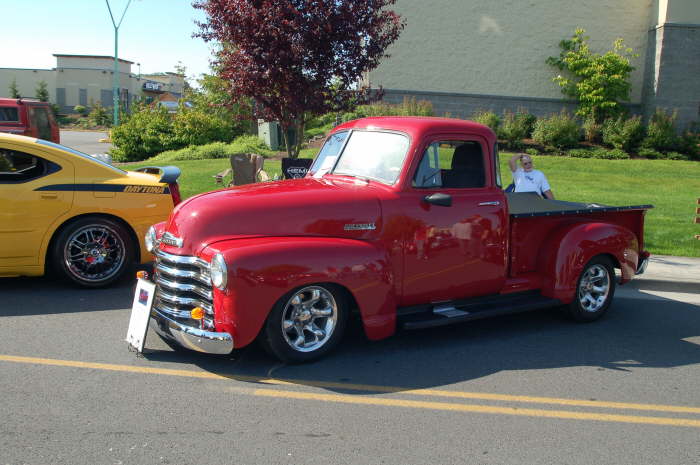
x,y
345,208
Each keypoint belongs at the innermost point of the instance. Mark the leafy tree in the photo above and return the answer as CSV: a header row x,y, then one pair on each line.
x,y
298,58
42,91
14,92
182,70
598,82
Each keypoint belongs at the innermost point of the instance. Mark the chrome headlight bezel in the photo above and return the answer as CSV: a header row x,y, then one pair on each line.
x,y
218,271
150,239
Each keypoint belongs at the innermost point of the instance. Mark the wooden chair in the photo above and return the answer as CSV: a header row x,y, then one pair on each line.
x,y
246,168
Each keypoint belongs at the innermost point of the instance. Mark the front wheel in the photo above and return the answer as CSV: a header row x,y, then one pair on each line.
x,y
93,252
595,289
306,323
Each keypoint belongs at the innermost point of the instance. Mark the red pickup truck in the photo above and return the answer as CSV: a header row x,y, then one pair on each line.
x,y
402,221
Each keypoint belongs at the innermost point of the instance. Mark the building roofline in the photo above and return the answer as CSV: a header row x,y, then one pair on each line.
x,y
92,56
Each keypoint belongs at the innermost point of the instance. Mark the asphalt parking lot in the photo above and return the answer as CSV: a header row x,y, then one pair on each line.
x,y
528,388
85,141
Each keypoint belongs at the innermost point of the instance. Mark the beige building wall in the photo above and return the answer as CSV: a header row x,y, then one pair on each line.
x,y
499,48
27,81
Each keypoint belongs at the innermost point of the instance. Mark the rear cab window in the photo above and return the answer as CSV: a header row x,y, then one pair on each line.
x,y
9,115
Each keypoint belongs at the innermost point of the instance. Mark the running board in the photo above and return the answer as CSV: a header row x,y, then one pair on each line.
x,y
446,313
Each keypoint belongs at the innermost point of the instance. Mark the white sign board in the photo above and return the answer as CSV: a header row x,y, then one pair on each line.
x,y
140,314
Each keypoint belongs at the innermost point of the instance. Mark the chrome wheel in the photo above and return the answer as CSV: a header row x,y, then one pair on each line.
x,y
309,318
593,288
94,253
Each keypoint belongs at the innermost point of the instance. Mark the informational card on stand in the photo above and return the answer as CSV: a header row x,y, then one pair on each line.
x,y
140,314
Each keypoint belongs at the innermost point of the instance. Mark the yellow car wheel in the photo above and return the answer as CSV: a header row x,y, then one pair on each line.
x,y
93,251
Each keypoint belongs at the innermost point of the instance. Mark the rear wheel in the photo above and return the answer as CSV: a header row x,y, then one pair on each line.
x,y
93,252
595,289
306,323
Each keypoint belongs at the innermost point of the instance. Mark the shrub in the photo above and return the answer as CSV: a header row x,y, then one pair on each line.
x,y
146,132
193,126
559,131
622,133
409,107
676,156
614,154
661,132
532,152
650,153
592,130
689,143
242,144
80,109
487,118
99,116
515,127
580,153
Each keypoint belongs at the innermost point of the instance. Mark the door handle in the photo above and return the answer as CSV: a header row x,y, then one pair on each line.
x,y
495,203
51,195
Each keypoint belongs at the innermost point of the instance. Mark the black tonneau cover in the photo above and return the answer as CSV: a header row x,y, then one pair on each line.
x,y
528,204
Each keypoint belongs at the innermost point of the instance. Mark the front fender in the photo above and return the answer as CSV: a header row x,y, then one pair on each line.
x,y
573,245
262,270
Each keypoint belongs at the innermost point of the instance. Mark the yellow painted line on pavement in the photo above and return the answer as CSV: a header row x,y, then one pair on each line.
x,y
398,390
346,399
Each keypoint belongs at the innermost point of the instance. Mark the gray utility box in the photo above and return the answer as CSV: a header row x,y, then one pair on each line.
x,y
271,134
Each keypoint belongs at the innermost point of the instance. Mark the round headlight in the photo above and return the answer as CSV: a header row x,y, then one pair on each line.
x,y
150,239
218,271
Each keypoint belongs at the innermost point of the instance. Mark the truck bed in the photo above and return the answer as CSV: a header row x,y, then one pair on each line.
x,y
529,204
533,219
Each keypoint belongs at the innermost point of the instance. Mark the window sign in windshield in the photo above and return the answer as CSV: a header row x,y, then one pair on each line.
x,y
373,155
329,154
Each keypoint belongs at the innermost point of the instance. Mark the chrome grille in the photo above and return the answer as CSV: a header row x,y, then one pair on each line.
x,y
183,283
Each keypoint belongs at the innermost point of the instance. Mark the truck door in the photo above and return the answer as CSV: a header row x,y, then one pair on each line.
x,y
455,243
26,211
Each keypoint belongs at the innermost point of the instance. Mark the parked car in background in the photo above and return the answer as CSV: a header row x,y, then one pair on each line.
x,y
66,210
28,117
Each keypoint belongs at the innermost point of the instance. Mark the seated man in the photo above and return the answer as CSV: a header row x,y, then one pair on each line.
x,y
528,179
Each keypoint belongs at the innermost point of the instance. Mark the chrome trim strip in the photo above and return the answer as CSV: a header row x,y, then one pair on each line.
x,y
185,301
173,285
191,338
204,279
182,259
174,312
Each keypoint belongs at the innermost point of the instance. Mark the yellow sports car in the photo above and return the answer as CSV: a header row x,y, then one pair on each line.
x,y
67,211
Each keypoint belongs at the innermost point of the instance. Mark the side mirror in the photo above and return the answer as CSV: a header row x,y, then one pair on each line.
x,y
439,199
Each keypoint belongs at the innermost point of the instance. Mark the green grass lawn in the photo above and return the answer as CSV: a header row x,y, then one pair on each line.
x,y
673,187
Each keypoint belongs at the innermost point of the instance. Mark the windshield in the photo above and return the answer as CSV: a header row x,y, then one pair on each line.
x,y
367,154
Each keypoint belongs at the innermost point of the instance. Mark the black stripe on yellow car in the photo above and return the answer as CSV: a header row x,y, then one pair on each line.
x,y
129,188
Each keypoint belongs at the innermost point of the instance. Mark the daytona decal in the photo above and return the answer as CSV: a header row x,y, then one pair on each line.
x,y
130,189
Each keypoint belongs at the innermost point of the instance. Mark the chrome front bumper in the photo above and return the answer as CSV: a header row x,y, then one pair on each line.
x,y
642,266
191,338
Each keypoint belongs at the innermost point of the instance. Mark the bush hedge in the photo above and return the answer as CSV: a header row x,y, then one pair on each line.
x,y
242,144
559,131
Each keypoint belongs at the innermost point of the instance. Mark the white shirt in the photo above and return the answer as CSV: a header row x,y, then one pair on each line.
x,y
530,181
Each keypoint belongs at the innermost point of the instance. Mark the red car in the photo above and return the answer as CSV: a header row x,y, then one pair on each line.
x,y
401,221
28,117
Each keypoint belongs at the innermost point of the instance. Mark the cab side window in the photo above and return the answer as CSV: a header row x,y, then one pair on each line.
x,y
451,164
16,167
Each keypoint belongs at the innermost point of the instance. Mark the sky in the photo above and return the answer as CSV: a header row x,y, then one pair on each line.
x,y
155,33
